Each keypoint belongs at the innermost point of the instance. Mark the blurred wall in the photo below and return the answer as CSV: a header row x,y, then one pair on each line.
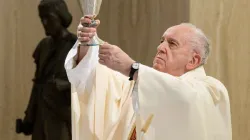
x,y
135,25
227,24
138,25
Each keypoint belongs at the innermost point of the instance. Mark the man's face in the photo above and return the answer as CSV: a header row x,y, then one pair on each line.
x,y
175,54
51,22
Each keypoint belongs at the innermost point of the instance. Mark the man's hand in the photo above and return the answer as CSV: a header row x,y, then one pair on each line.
x,y
85,32
87,29
110,55
114,58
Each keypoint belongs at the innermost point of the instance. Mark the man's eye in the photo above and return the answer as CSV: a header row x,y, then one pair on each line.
x,y
171,43
162,41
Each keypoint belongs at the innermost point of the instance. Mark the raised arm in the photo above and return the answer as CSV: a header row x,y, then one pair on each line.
x,y
86,31
82,59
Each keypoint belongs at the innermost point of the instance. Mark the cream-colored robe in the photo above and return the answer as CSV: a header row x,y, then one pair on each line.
x,y
106,106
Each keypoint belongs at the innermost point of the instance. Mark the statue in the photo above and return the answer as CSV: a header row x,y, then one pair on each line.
x,y
48,114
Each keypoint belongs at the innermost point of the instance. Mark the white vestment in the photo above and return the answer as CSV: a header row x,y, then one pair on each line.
x,y
107,106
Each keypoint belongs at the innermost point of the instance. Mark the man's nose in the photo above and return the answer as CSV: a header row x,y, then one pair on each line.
x,y
162,47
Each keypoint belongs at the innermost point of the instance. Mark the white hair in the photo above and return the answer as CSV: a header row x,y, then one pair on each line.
x,y
200,42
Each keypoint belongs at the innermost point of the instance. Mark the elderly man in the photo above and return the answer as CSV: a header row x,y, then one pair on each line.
x,y
119,98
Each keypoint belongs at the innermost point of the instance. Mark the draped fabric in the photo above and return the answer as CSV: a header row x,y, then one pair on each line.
x,y
101,99
191,107
165,107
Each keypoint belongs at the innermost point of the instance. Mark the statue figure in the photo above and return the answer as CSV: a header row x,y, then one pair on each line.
x,y
48,114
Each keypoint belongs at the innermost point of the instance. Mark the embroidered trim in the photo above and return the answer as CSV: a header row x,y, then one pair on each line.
x,y
132,134
147,123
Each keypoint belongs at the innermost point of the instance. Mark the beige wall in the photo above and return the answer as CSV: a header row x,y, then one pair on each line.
x,y
136,26
227,23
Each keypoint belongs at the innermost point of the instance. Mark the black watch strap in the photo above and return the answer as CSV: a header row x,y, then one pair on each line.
x,y
134,68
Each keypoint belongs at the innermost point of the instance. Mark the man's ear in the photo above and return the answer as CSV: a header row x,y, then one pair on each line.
x,y
194,62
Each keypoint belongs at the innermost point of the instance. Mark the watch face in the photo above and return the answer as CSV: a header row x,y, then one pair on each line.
x,y
135,65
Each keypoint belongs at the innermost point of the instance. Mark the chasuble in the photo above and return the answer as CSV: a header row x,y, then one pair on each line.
x,y
158,106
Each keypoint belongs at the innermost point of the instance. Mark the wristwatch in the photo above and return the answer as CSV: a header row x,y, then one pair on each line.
x,y
134,68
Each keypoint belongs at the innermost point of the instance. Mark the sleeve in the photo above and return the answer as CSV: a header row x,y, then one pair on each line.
x,y
30,112
37,52
78,75
96,91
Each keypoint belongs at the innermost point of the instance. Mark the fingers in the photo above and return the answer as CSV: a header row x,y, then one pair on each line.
x,y
88,21
85,29
106,46
105,53
84,39
81,34
106,49
102,58
96,23
85,34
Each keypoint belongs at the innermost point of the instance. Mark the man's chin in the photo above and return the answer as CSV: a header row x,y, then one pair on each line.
x,y
157,67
